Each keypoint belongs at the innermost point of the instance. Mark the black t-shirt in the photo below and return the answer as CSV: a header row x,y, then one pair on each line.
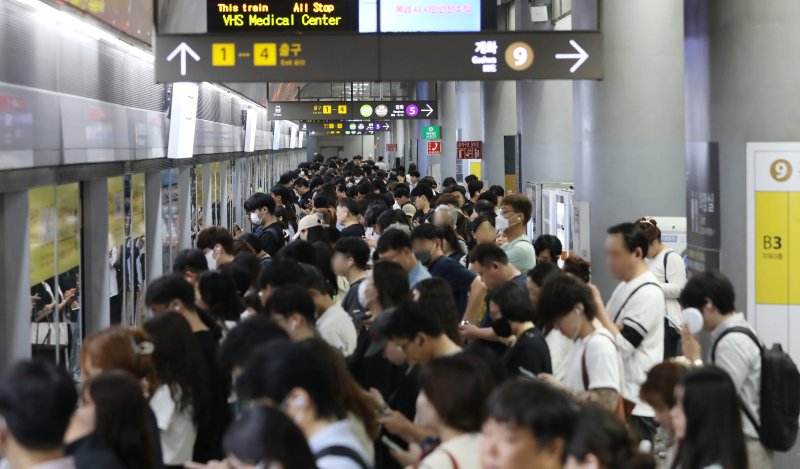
x,y
458,276
497,347
375,371
272,238
208,445
355,230
529,352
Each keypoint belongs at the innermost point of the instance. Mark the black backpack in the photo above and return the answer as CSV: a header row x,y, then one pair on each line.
x,y
780,394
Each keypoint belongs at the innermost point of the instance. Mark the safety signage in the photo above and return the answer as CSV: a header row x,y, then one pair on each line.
x,y
349,56
391,147
432,132
469,150
435,147
347,110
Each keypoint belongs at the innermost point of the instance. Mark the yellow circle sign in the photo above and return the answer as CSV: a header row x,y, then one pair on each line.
x,y
781,170
519,56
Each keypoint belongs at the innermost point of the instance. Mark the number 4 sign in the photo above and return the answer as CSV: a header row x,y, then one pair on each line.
x,y
773,202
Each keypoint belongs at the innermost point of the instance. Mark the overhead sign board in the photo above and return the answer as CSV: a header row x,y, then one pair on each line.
x,y
509,55
347,110
432,132
469,150
344,128
281,16
435,147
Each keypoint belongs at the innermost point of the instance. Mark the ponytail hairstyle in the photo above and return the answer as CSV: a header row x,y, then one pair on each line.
x,y
650,228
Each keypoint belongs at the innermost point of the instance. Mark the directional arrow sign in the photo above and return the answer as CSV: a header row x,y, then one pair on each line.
x,y
581,56
428,110
183,49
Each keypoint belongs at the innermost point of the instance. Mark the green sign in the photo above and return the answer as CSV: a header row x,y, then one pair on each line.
x,y
432,132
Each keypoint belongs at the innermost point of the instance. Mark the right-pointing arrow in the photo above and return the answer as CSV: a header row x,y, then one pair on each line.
x,y
428,110
581,56
183,49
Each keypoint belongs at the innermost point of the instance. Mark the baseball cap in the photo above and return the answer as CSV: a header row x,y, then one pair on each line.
x,y
308,221
409,210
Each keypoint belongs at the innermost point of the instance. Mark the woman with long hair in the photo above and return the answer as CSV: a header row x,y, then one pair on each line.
x,y
122,435
182,399
118,348
601,441
708,422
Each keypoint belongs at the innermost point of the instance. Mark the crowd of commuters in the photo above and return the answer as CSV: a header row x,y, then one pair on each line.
x,y
374,318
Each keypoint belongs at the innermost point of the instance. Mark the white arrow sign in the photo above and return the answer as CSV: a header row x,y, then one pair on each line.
x,y
386,126
581,56
183,49
428,110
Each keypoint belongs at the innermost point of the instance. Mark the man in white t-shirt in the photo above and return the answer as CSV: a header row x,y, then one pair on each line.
x,y
635,316
334,325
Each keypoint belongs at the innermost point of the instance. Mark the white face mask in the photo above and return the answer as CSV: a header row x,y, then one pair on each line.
x,y
254,218
501,223
212,263
362,294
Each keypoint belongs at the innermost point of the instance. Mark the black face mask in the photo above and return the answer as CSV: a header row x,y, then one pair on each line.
x,y
502,328
423,256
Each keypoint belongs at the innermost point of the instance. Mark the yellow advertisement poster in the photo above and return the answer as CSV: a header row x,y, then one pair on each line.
x,y
772,240
69,226
137,189
42,235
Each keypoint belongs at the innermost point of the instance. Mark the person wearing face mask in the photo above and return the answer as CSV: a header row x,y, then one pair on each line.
x,y
512,312
594,367
260,210
512,222
467,288
217,245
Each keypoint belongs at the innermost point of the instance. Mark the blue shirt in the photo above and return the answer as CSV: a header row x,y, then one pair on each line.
x,y
417,274
458,276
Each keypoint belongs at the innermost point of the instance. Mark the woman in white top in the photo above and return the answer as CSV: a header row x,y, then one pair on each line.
x,y
593,370
670,270
181,400
452,390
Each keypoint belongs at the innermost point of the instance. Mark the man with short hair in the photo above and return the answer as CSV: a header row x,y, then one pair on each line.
x,y
381,164
260,210
414,174
347,215
277,274
417,333
402,196
172,292
292,308
190,263
512,222
358,160
37,400
217,246
635,316
734,351
474,189
528,425
498,192
492,265
394,245
350,259
422,196
467,288
334,324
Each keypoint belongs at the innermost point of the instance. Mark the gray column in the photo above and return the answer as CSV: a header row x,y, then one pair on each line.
x,y
15,296
154,225
94,258
224,167
468,107
499,120
448,119
208,197
629,127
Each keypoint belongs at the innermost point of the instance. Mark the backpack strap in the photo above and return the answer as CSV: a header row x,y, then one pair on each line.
x,y
666,258
344,452
584,369
616,316
451,457
754,338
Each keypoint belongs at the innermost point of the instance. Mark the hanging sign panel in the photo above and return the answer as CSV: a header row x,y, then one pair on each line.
x,y
260,57
348,110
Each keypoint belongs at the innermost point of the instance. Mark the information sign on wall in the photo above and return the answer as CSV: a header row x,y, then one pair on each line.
x,y
469,150
435,147
432,132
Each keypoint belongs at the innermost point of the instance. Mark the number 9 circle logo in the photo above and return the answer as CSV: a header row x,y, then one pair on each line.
x,y
519,56
781,170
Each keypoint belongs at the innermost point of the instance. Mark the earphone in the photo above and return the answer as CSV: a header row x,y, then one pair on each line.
x,y
299,401
293,324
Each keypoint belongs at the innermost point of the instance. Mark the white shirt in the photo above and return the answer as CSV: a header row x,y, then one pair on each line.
x,y
671,281
336,327
465,449
175,427
740,357
340,433
603,362
62,463
560,347
643,316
